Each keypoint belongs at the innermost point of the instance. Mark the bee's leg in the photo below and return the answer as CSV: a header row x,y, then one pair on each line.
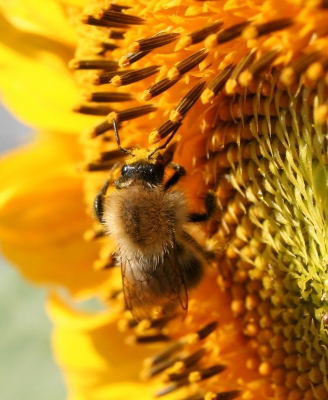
x,y
98,204
210,205
179,172
169,153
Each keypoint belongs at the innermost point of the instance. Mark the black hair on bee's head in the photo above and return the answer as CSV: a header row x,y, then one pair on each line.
x,y
149,174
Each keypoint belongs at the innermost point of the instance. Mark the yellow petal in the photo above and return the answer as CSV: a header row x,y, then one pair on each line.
x,y
42,216
45,18
36,83
97,362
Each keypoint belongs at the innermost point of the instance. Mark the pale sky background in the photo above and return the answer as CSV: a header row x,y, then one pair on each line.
x,y
27,370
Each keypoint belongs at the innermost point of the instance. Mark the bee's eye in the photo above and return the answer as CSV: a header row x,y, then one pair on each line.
x,y
124,169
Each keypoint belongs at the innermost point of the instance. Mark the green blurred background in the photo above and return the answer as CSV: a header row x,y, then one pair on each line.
x,y
27,369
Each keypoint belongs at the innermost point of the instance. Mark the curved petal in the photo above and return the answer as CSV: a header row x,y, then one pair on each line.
x,y
42,216
94,355
36,83
49,18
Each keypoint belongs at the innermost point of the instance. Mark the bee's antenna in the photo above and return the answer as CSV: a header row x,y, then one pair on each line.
x,y
118,141
166,143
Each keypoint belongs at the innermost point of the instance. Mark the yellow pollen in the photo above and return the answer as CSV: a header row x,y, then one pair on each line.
x,y
173,74
154,137
265,369
134,47
175,116
210,396
116,81
250,32
145,96
211,41
245,78
287,76
321,114
184,42
194,376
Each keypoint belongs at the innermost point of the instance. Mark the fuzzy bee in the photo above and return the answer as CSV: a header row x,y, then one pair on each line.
x,y
148,217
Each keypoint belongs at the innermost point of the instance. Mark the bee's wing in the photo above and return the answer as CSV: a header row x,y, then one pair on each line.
x,y
154,287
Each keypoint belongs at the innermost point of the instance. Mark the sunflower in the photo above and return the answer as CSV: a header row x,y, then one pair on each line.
x,y
241,89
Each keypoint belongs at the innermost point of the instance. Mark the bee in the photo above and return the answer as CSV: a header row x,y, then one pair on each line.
x,y
148,217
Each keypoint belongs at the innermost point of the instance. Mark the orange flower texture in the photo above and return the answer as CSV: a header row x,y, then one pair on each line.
x,y
218,108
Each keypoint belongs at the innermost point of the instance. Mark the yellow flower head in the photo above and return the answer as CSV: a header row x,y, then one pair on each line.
x,y
240,87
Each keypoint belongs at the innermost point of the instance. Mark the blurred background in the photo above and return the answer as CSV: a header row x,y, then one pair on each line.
x,y
27,369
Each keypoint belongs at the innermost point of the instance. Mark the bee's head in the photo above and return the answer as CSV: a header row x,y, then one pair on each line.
x,y
142,165
138,168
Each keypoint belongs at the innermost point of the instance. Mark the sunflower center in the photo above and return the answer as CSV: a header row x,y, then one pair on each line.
x,y
247,93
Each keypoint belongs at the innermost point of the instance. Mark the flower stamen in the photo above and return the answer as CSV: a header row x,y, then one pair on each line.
x,y
187,64
154,42
134,76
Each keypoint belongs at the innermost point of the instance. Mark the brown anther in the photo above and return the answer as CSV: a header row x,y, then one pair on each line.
x,y
216,85
134,76
101,63
113,34
100,129
257,67
289,74
225,35
187,64
154,42
109,5
164,354
266,28
219,396
114,18
112,155
199,35
157,88
151,338
131,113
105,77
206,373
108,97
189,100
131,58
92,109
